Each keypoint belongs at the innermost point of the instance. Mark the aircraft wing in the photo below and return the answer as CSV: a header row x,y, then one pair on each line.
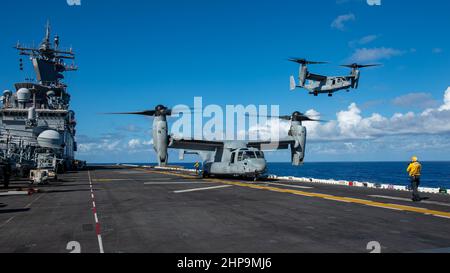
x,y
195,145
316,77
282,144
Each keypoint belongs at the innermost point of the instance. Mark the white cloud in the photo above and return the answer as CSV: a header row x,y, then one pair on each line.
x,y
416,100
363,41
112,144
350,124
446,105
137,144
104,145
353,132
339,22
131,128
134,143
375,54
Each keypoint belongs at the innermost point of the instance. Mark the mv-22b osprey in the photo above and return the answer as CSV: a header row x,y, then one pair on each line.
x,y
226,158
319,84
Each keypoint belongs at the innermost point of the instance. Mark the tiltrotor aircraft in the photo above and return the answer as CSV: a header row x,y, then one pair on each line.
x,y
319,84
226,158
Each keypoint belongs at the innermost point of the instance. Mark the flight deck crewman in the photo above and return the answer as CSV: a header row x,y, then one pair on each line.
x,y
197,167
414,170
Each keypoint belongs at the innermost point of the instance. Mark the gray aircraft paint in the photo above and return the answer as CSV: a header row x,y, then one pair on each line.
x,y
235,158
319,84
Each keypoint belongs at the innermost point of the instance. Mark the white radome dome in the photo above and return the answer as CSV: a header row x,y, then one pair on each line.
x,y
50,139
23,95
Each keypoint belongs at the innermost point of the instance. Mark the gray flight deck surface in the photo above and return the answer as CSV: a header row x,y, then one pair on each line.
x,y
145,210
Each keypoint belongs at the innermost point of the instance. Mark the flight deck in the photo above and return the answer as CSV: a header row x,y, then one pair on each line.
x,y
117,209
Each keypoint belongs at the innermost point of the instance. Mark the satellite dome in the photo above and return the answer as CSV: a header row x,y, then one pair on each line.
x,y
23,95
50,139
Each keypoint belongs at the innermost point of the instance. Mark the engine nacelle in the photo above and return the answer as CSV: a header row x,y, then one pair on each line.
x,y
355,82
303,75
161,140
298,132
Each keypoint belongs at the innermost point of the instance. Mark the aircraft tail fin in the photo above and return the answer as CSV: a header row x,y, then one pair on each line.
x,y
293,84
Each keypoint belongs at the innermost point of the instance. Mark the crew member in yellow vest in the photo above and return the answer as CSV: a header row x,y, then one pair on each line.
x,y
197,167
414,170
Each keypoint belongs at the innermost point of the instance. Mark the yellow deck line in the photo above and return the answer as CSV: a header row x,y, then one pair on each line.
x,y
320,195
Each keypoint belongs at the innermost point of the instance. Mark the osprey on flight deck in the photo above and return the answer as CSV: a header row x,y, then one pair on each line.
x,y
319,84
226,158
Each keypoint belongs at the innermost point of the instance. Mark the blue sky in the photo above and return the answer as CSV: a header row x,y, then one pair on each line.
x,y
136,54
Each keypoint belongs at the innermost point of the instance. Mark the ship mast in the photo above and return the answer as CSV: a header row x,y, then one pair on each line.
x,y
48,60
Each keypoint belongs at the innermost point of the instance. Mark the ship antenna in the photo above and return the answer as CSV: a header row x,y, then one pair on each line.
x,y
47,35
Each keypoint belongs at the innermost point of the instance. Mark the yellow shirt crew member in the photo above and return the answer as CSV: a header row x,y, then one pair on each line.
x,y
414,169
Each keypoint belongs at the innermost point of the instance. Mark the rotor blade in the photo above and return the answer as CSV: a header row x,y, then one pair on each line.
x,y
360,65
269,116
305,118
149,113
192,110
304,61
369,65
287,117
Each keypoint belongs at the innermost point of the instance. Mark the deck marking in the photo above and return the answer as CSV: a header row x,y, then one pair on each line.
x,y
7,221
130,172
441,214
97,223
32,202
446,217
287,185
409,200
111,180
27,207
176,183
13,193
204,189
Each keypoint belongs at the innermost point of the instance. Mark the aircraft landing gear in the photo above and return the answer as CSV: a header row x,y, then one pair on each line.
x,y
330,95
316,94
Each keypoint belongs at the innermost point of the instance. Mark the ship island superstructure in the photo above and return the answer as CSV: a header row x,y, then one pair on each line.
x,y
37,127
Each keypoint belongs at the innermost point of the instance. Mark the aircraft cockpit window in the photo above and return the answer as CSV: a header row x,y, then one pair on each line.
x,y
249,154
259,154
240,156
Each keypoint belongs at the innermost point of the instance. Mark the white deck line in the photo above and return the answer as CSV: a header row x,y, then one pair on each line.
x,y
204,189
409,200
331,182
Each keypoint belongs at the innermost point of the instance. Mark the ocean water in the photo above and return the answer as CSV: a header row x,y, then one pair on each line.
x,y
434,174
